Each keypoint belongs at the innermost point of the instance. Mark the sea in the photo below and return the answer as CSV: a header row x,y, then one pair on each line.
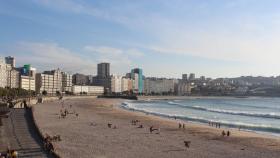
x,y
252,113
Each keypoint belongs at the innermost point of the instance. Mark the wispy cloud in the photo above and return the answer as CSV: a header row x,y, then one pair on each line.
x,y
47,56
120,58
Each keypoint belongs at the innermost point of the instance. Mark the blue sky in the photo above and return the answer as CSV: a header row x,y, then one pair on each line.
x,y
217,38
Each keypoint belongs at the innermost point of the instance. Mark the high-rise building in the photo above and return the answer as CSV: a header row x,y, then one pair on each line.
x,y
49,82
13,78
137,76
80,79
103,77
116,84
66,82
10,60
192,77
4,73
126,84
103,70
202,78
185,77
27,77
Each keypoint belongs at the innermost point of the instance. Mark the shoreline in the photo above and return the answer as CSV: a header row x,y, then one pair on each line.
x,y
197,97
166,118
88,134
195,121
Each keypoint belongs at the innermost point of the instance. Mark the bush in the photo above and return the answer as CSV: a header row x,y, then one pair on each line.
x,y
44,92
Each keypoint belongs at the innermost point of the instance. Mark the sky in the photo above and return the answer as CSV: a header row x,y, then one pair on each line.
x,y
213,38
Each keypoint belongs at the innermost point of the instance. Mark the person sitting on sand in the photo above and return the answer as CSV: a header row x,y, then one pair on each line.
x,y
14,154
140,126
223,133
154,129
151,129
228,133
109,125
187,144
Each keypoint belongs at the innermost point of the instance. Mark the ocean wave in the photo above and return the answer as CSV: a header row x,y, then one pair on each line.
x,y
248,126
263,115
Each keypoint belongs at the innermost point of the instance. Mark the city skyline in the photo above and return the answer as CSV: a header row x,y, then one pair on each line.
x,y
213,39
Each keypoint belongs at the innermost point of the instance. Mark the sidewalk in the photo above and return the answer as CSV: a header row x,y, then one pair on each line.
x,y
18,132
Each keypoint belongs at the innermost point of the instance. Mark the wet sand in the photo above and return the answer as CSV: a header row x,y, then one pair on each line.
x,y
88,135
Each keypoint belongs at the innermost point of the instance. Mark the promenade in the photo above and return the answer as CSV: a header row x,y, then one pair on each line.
x,y
19,133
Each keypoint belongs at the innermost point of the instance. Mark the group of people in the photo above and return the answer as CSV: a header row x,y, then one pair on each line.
x,y
111,126
181,125
225,133
9,154
218,125
48,142
134,123
64,111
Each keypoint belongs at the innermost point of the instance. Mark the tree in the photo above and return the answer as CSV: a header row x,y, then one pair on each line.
x,y
44,92
57,93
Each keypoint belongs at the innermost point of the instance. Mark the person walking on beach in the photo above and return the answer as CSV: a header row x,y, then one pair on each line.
x,y
228,133
180,125
223,133
183,126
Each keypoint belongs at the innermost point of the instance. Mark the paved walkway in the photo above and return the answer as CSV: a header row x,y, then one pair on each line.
x,y
19,133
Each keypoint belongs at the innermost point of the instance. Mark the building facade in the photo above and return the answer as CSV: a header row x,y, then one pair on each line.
x,y
159,86
10,60
3,73
27,77
103,70
137,76
184,88
185,77
80,79
66,82
91,90
116,84
13,78
192,77
103,77
49,82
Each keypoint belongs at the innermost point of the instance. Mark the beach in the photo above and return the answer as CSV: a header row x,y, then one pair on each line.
x,y
88,135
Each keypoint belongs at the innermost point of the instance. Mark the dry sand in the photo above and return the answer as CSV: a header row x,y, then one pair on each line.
x,y
89,136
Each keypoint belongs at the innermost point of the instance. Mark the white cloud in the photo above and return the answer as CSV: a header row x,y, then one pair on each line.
x,y
118,57
104,50
46,56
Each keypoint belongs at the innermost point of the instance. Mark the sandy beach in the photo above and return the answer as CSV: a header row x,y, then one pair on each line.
x,y
88,134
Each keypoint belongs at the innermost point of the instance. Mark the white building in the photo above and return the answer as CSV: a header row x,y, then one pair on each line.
x,y
116,84
66,82
49,82
184,88
4,73
13,78
125,84
135,85
27,82
92,90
